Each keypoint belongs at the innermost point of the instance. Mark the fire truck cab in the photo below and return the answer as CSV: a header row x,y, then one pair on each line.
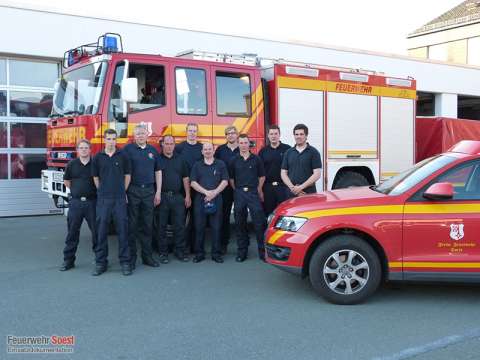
x,y
101,87
357,119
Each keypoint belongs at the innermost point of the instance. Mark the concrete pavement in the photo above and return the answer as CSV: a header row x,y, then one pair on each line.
x,y
214,311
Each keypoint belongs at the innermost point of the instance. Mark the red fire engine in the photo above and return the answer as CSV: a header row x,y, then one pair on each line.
x,y
357,119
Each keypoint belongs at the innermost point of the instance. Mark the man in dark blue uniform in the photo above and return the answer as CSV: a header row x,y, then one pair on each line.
x,y
111,174
78,178
301,165
225,152
274,190
209,177
175,183
191,151
247,176
143,194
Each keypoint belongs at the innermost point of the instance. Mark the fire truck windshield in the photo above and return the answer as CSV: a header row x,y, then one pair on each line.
x,y
79,91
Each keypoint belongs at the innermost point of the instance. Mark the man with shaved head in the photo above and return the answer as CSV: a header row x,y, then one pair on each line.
x,y
175,199
208,177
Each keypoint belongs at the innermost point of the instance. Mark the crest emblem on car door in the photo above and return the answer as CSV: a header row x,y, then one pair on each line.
x,y
456,231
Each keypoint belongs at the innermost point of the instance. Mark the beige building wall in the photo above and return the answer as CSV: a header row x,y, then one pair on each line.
x,y
457,44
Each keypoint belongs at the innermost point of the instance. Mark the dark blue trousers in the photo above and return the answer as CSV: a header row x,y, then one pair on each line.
x,y
108,209
227,199
140,220
215,221
77,211
274,195
190,224
173,207
245,201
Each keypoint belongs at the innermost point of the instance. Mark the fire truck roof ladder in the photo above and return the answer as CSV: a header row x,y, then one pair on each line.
x,y
243,59
318,66
255,60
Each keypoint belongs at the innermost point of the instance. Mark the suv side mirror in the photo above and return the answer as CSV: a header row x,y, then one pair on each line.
x,y
130,90
439,191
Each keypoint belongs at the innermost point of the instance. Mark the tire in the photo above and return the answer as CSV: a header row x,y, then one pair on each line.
x,y
356,261
350,178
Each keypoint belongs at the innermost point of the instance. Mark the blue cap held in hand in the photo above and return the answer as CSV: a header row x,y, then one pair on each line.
x,y
210,207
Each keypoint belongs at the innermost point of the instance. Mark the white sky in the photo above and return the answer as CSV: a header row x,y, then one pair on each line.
x,y
378,25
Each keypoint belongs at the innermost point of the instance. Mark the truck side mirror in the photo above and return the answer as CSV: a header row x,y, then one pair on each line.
x,y
130,90
439,191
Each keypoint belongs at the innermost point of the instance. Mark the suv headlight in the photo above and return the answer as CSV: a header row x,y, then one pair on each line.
x,y
270,218
290,223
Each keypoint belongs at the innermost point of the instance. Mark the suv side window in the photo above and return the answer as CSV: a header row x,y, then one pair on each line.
x,y
465,179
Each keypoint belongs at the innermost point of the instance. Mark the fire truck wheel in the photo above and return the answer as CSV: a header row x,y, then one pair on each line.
x,y
345,270
350,178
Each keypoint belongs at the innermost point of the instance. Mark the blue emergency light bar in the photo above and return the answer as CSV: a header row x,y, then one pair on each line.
x,y
71,59
106,44
110,44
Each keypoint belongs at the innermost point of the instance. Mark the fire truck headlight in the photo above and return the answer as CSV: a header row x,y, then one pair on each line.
x,y
290,223
45,182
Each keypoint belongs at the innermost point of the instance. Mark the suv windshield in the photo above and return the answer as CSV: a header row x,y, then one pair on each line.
x,y
404,181
78,92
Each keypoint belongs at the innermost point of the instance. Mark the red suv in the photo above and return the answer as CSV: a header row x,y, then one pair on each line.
x,y
420,225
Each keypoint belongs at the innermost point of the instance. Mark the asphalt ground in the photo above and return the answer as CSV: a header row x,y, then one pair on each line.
x,y
247,310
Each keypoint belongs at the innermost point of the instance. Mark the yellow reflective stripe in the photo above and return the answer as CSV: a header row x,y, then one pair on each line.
x,y
243,124
67,135
178,130
345,87
389,174
352,152
359,210
394,209
395,264
297,83
98,136
250,121
275,236
442,209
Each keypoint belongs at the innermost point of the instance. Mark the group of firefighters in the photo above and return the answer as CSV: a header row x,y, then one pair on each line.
x,y
143,191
